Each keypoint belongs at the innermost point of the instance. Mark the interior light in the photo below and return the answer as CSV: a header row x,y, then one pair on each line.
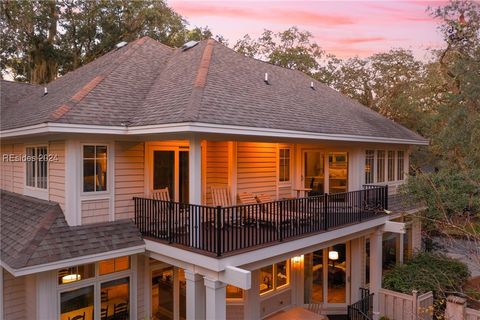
x,y
297,259
71,278
333,255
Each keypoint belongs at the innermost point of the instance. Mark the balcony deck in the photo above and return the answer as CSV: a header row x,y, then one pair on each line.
x,y
221,231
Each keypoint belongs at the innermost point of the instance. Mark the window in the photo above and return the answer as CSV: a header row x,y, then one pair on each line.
x,y
400,165
94,168
380,165
114,297
234,293
391,166
114,265
369,166
36,167
83,286
77,302
284,165
76,273
274,277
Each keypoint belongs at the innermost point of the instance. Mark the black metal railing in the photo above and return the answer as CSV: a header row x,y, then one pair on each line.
x,y
220,230
362,309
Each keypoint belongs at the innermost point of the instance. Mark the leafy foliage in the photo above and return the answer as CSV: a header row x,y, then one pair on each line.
x,y
44,39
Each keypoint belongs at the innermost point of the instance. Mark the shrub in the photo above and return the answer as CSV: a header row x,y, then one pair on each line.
x,y
428,272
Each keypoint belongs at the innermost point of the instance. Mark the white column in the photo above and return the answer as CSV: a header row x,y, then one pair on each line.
x,y
376,270
297,281
195,170
195,187
400,248
195,296
215,299
251,307
357,268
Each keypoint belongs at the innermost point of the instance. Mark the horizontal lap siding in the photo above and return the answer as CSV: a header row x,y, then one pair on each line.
x,y
129,177
18,170
56,173
257,168
14,297
95,211
7,168
216,166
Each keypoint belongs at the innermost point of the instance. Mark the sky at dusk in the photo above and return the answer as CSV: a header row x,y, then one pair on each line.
x,y
344,28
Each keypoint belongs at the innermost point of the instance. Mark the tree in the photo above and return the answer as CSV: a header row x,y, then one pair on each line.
x,y
44,39
292,48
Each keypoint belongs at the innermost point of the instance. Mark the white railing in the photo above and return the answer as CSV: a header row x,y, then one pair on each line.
x,y
401,306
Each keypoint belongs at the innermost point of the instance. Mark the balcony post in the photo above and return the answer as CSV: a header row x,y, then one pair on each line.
x,y
195,187
195,296
325,210
376,270
215,298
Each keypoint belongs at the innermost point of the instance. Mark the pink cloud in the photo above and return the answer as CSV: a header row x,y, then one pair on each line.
x,y
284,16
355,40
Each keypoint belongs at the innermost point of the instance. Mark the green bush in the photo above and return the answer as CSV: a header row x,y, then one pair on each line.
x,y
428,272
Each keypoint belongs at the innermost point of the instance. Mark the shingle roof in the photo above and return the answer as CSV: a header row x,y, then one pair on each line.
x,y
147,83
34,232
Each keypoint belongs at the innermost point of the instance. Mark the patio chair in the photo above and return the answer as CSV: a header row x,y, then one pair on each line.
x,y
314,307
221,196
248,214
271,212
161,194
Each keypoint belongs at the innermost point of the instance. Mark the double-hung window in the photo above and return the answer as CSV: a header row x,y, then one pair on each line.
x,y
391,166
400,165
36,173
94,168
369,166
284,165
380,165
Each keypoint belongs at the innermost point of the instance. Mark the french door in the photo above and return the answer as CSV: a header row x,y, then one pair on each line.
x,y
170,170
314,171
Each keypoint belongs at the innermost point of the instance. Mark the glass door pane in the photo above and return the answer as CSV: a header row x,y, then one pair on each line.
x,y
162,294
164,171
338,171
337,273
317,277
183,176
314,171
183,293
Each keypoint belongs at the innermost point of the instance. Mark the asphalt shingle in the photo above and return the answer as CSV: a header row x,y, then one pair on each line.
x,y
34,232
148,83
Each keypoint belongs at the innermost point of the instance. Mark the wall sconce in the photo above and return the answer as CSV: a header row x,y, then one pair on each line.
x,y
71,278
297,259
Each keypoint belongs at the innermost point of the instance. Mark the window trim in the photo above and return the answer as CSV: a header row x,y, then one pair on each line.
x,y
290,167
96,282
275,289
90,194
41,193
386,151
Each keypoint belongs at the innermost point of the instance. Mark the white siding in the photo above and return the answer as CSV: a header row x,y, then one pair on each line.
x,y
216,167
257,168
129,177
14,297
95,211
56,173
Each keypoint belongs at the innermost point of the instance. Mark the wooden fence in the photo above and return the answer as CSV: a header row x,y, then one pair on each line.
x,y
400,306
457,309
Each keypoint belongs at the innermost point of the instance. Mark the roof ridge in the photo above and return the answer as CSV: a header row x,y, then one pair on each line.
x,y
44,228
191,113
78,97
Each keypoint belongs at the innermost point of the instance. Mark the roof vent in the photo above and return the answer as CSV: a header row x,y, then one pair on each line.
x,y
121,44
189,45
266,78
45,91
312,86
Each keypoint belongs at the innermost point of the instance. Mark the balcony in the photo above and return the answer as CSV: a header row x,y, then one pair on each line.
x,y
220,231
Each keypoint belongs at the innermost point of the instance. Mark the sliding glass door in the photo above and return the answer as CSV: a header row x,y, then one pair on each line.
x,y
170,170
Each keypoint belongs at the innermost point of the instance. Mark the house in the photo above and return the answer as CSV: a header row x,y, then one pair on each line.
x,y
271,190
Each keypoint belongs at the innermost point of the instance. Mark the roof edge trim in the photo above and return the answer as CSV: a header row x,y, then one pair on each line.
x,y
199,127
74,261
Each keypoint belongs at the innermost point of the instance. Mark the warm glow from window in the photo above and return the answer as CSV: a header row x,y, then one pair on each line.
x,y
114,265
71,278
